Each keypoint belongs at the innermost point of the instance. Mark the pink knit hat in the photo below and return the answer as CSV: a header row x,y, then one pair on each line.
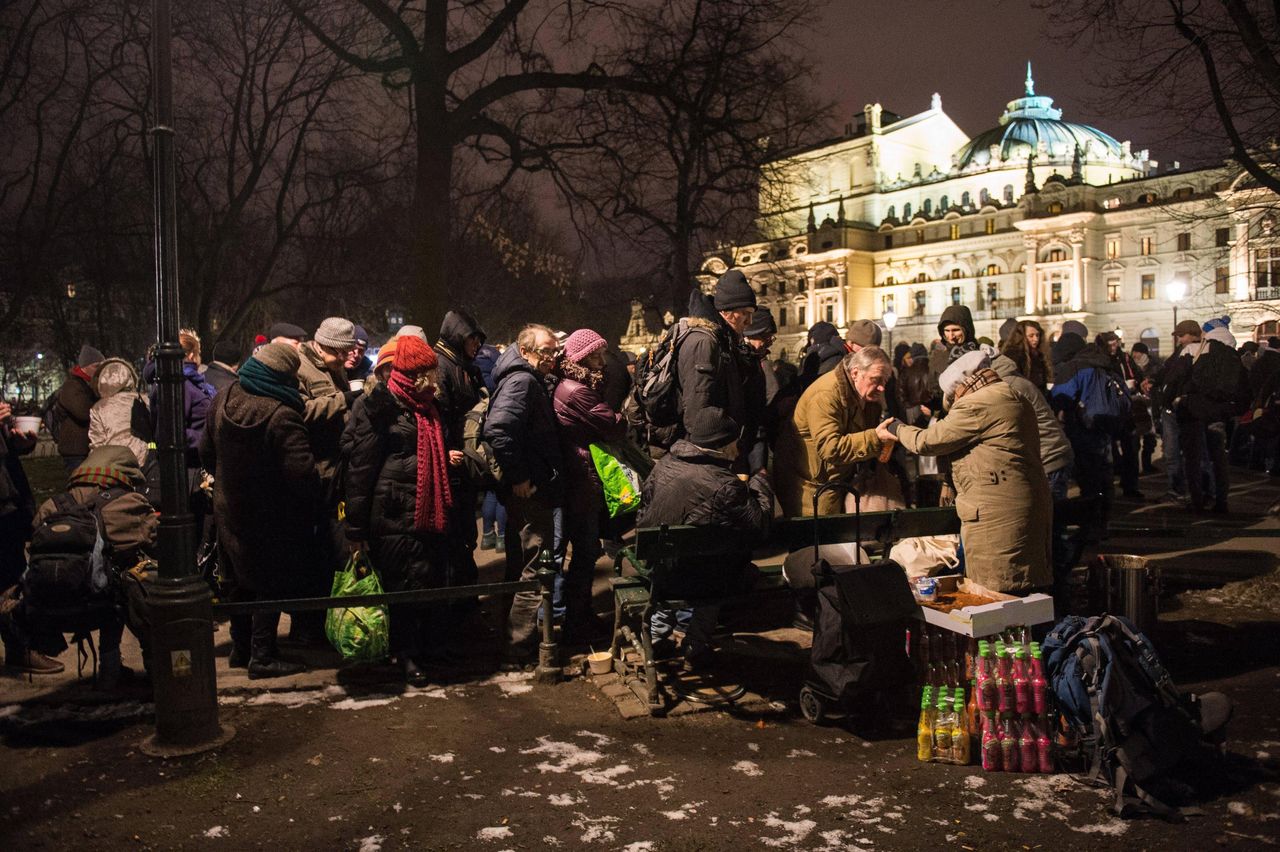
x,y
582,343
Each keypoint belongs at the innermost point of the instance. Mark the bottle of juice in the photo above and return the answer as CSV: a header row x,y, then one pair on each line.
x,y
960,744
990,743
924,730
1039,687
1005,702
987,698
971,659
942,725
971,709
1008,744
1021,682
1027,755
1044,753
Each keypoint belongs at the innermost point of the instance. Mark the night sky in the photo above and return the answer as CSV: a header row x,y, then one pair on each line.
x,y
974,54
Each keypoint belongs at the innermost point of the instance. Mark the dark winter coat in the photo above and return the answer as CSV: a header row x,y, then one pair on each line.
x,y
689,486
197,399
1078,356
486,360
1219,385
521,427
380,445
584,418
266,492
708,368
940,359
460,379
823,353
617,379
220,376
15,490
75,400
1262,376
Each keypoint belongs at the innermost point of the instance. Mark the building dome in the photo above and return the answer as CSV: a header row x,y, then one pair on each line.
x,y
1028,123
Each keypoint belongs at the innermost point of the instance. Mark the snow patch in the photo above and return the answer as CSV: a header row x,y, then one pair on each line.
x,y
604,776
564,800
794,833
215,832
974,782
748,768
596,830
447,757
800,752
372,843
362,703
493,832
640,846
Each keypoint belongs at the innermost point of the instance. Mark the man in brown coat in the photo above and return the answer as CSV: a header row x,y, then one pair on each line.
x,y
832,430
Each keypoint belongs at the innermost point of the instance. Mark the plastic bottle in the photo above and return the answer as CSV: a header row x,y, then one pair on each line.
x,y
971,709
1008,744
924,730
942,725
1027,755
1039,686
971,659
990,743
960,744
1021,682
1044,752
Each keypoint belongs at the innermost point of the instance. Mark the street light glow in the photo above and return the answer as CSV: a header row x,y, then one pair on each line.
x,y
1176,290
890,319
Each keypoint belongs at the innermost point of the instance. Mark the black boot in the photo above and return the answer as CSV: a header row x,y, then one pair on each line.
x,y
265,667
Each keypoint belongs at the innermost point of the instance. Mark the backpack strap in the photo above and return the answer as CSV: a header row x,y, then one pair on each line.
x,y
1088,652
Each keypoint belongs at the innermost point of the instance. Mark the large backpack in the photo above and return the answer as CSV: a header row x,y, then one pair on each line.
x,y
657,385
1135,730
481,463
1104,402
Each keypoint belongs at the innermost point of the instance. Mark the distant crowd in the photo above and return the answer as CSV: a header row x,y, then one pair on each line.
x,y
307,450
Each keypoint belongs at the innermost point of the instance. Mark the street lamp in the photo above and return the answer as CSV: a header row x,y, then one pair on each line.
x,y
890,319
1176,290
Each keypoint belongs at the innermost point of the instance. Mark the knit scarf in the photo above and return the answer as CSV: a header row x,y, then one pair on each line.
x,y
434,497
260,380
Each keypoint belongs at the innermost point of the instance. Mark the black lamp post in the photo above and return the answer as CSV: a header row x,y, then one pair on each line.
x,y
180,602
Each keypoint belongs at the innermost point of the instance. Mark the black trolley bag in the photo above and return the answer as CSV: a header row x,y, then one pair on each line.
x,y
859,663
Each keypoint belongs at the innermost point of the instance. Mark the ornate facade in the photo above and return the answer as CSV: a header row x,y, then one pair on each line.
x,y
1037,218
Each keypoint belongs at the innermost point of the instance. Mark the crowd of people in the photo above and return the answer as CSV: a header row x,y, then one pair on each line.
x,y
307,451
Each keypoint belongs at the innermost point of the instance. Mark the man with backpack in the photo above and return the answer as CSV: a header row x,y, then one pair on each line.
x,y
1125,445
82,541
66,415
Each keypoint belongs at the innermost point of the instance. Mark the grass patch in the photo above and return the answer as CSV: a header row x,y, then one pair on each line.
x,y
47,474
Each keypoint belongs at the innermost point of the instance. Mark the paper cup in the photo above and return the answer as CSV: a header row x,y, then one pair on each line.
x,y
601,662
357,385
26,423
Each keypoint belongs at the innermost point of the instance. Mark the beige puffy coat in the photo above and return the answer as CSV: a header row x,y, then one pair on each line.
x,y
992,441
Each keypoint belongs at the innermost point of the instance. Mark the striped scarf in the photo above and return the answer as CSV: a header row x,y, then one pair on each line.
x,y
977,381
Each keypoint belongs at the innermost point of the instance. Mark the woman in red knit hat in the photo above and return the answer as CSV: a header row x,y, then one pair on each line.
x,y
398,497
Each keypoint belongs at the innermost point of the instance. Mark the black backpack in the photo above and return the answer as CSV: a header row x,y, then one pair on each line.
x,y
69,577
657,385
1134,730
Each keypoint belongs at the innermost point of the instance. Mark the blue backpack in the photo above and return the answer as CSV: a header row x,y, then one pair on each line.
x,y
1103,400
1134,728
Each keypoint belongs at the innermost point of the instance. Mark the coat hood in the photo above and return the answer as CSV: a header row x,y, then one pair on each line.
x,y
109,465
510,363
1004,366
822,332
958,315
246,412
456,328
1066,347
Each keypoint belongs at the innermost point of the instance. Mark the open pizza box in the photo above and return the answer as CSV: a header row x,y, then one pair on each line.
x,y
986,619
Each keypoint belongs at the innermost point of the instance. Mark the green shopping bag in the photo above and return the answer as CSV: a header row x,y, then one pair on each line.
x,y
358,633
622,469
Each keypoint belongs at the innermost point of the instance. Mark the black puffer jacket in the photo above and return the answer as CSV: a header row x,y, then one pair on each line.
x,y
688,486
823,353
460,379
709,371
521,427
380,445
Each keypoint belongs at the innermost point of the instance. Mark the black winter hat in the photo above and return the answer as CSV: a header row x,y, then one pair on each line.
x,y
286,329
227,351
712,431
762,324
733,292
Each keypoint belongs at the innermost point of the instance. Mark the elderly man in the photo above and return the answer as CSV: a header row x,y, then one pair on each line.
x,y
832,431
992,441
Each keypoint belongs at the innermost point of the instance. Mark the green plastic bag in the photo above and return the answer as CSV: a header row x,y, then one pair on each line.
x,y
622,469
358,633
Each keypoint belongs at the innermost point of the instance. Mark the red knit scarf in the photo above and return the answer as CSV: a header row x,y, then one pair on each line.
x,y
431,505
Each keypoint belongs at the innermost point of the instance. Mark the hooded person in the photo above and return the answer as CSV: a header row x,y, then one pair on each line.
x,y
956,332
111,477
823,351
121,416
991,439
266,499
399,499
584,419
69,409
709,362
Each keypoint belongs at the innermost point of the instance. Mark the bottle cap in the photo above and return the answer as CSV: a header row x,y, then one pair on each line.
x,y
1020,653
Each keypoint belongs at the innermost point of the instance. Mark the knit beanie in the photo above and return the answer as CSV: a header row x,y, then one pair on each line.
x,y
280,357
1188,327
1007,328
1075,327
412,331
361,336
227,351
712,431
733,292
960,369
918,350
388,352
762,325
336,333
89,356
414,356
1139,347
581,344
863,333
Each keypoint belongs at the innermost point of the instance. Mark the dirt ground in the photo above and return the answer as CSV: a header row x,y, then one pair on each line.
x,y
493,761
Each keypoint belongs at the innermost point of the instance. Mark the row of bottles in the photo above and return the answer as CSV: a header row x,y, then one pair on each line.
x,y
944,733
1015,744
1010,680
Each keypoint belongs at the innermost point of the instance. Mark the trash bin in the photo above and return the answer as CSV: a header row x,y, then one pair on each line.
x,y
1125,585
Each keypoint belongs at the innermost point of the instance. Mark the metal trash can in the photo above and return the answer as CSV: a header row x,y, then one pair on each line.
x,y
1125,585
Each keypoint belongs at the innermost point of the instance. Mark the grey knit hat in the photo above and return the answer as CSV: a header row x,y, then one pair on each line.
x,y
863,333
336,333
89,356
280,357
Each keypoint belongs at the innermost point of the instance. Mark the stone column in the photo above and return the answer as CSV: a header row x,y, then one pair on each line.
x,y
842,301
1031,300
1239,260
812,293
1077,272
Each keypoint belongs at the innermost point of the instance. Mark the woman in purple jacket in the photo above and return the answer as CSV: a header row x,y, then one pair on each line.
x,y
584,418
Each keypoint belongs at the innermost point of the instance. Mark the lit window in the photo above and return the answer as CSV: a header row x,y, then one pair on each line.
x,y
921,278
1057,255
1222,280
955,231
1184,241
990,226
1111,203
1267,268
993,293
888,241
906,211
1055,292
921,299
1113,248
955,295
919,235
1144,246
1054,207
886,304
1008,193
1113,289
890,281
831,313
957,273
1148,286
991,269
800,312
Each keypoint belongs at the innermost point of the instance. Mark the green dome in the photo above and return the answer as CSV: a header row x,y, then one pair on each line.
x,y
1026,123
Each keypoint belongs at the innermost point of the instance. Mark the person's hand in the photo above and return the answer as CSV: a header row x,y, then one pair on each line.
x,y
455,458
6,411
524,490
1146,386
883,433
925,411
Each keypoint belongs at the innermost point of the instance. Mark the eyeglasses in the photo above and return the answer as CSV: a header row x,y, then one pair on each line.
x,y
549,352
